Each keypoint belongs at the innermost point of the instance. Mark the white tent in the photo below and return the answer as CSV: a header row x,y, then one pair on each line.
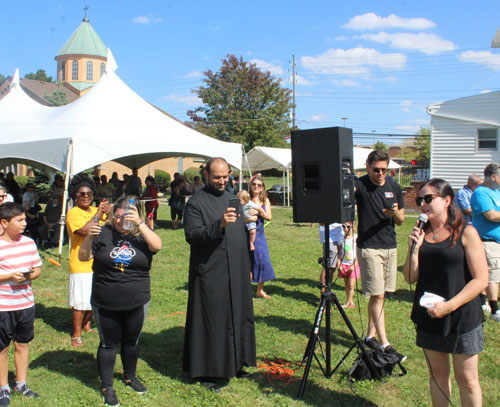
x,y
109,123
266,158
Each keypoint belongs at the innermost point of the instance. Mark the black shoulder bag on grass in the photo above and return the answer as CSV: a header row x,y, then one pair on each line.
x,y
383,362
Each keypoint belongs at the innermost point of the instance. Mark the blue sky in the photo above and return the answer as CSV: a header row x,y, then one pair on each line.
x,y
376,63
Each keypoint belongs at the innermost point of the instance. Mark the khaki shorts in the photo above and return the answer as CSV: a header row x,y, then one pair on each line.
x,y
379,269
492,250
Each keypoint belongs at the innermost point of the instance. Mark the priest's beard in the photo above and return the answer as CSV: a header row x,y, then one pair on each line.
x,y
215,191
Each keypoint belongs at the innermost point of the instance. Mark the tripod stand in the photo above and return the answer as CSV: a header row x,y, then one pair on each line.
x,y
327,299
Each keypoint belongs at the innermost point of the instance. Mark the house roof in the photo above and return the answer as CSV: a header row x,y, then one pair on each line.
x,y
496,41
37,90
84,41
479,109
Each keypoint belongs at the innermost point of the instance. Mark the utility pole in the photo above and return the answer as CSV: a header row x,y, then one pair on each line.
x,y
293,90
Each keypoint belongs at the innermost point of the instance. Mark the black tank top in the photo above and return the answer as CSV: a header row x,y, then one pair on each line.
x,y
443,270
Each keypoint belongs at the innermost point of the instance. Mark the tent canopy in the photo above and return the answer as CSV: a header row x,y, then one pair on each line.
x,y
108,123
265,158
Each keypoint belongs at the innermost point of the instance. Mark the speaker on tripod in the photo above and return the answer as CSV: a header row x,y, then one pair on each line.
x,y
323,192
323,178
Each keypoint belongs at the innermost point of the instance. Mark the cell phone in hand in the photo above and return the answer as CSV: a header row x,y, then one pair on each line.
x,y
26,274
235,203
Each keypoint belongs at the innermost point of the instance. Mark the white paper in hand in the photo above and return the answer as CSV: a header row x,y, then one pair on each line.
x,y
428,299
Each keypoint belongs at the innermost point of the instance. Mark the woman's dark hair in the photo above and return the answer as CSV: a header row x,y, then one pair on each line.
x,y
150,179
455,220
81,180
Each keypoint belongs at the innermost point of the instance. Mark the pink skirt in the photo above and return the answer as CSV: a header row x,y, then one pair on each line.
x,y
345,273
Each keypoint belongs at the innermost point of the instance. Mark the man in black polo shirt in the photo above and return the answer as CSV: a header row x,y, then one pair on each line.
x,y
380,206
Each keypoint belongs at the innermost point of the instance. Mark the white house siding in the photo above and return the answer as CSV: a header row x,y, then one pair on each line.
x,y
454,154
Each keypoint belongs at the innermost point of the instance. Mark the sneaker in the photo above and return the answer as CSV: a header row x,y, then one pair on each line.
x,y
136,385
26,391
4,398
486,307
109,397
372,343
391,351
495,316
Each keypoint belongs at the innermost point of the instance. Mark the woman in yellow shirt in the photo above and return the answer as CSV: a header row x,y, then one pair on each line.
x,y
82,189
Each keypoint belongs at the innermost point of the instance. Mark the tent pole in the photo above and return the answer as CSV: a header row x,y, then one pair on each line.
x,y
283,176
62,221
288,185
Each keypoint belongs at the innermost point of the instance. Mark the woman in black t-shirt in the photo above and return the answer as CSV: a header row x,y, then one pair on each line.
x,y
448,260
120,291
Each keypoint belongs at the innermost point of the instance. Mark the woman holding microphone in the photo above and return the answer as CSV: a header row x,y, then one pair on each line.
x,y
120,290
448,261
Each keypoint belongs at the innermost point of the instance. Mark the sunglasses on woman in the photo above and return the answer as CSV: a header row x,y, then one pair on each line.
x,y
84,194
426,198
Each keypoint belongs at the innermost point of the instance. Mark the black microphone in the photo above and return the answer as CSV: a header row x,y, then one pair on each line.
x,y
422,219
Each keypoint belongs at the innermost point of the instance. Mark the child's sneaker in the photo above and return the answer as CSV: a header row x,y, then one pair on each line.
x,y
26,391
4,397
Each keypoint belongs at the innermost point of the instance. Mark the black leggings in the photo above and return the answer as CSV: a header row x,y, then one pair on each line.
x,y
118,327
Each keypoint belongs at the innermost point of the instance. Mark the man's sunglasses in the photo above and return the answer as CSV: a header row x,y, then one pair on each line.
x,y
377,170
427,198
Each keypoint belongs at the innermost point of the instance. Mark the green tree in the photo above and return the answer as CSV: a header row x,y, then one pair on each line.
x,y
422,144
2,78
243,104
57,98
40,75
379,145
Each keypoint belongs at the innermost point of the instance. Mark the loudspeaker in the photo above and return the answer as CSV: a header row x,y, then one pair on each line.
x,y
323,175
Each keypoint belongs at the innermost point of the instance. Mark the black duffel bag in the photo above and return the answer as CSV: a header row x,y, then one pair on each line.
x,y
383,362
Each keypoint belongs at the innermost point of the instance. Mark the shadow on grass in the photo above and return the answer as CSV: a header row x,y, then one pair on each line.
x,y
79,365
58,318
314,394
299,281
304,327
310,298
163,352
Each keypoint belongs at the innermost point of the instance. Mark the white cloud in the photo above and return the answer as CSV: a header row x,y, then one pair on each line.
x,y
194,75
300,80
272,67
319,117
406,106
346,83
189,100
145,20
352,62
424,42
371,21
485,91
407,128
492,61
214,27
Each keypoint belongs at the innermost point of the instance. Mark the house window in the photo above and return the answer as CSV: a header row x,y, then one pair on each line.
x,y
487,139
90,71
74,71
103,68
63,71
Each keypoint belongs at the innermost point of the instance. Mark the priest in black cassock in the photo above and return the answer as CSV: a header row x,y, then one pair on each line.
x,y
220,331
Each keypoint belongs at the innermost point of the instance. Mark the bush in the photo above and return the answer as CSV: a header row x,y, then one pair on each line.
x,y
162,179
190,173
22,180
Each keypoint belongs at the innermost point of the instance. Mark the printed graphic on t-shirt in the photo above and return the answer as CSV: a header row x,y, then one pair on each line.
x,y
389,194
122,254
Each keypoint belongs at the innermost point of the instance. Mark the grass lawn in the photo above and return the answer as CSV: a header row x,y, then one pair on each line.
x,y
67,376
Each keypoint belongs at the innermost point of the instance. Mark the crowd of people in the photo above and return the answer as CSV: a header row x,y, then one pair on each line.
x,y
452,257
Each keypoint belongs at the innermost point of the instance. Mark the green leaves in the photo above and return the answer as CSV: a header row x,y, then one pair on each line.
x,y
242,104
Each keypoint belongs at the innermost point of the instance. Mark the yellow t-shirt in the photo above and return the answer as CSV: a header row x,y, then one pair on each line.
x,y
76,219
